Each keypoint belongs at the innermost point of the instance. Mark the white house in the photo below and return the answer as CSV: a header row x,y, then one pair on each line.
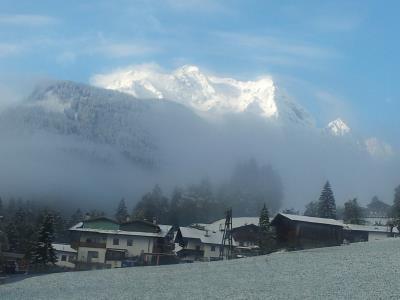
x,y
198,244
66,255
102,242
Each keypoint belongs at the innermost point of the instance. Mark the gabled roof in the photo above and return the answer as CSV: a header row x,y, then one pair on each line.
x,y
236,222
306,219
164,230
205,236
63,248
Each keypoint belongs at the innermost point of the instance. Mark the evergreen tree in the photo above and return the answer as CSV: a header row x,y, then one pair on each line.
x,y
378,208
352,212
1,208
264,220
43,252
12,236
122,212
311,209
326,203
265,242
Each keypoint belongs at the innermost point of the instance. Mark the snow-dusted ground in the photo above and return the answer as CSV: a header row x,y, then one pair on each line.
x,y
358,271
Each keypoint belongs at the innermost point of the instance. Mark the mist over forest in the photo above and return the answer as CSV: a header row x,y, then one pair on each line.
x,y
72,143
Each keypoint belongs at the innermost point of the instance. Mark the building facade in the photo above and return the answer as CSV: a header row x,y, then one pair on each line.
x,y
103,243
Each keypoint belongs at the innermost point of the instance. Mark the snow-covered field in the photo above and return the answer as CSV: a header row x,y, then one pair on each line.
x,y
358,271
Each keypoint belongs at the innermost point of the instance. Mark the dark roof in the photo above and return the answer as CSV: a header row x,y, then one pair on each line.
x,y
305,219
101,219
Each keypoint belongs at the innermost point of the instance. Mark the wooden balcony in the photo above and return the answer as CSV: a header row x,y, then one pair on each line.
x,y
76,245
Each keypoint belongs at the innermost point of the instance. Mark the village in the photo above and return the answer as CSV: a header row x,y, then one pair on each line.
x,y
100,242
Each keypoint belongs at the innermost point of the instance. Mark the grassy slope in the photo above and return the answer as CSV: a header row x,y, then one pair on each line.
x,y
359,271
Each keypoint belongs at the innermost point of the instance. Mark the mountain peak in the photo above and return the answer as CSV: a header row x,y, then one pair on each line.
x,y
190,86
338,127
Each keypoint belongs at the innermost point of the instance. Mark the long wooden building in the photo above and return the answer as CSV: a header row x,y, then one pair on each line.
x,y
302,232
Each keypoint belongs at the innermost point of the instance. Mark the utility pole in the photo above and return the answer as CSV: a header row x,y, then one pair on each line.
x,y
226,249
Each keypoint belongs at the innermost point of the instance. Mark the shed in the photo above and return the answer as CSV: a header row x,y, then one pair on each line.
x,y
302,232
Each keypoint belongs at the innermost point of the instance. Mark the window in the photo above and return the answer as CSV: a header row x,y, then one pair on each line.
x,y
115,241
198,248
241,244
71,258
129,242
93,254
63,258
212,248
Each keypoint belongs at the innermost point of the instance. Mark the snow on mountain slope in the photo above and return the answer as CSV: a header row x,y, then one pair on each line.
x,y
205,93
338,128
98,116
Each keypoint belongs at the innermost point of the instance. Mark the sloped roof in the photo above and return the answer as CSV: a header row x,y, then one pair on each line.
x,y
205,236
63,247
236,222
164,229
306,219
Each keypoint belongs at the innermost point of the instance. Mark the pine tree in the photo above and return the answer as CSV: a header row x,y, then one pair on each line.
x,y
311,209
43,252
122,212
264,220
326,203
265,242
1,208
352,212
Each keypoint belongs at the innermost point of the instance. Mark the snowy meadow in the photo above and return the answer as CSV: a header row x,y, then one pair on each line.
x,y
357,271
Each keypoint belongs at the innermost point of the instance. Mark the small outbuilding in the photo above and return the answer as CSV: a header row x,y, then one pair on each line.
x,y
302,232
364,233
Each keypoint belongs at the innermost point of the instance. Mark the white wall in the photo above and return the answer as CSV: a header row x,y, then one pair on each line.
x,y
208,253
83,254
67,263
193,243
140,244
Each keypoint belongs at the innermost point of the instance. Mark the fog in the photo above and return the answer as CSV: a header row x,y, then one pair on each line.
x,y
80,172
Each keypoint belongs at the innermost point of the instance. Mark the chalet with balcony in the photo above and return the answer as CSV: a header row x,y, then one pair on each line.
x,y
104,243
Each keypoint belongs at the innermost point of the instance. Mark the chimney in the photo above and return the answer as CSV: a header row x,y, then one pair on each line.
x,y
154,220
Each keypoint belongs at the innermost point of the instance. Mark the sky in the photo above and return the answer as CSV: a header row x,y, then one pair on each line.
x,y
336,58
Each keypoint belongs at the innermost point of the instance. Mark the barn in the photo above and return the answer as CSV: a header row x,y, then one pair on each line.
x,y
302,232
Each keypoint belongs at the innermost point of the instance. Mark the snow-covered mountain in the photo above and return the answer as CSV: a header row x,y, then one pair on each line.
x,y
205,93
119,121
338,128
72,138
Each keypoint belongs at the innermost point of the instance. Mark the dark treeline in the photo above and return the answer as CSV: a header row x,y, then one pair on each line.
x,y
249,187
352,212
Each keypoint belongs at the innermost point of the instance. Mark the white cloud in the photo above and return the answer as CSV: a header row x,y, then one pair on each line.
x,y
276,44
205,6
7,49
123,49
26,20
378,148
334,23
